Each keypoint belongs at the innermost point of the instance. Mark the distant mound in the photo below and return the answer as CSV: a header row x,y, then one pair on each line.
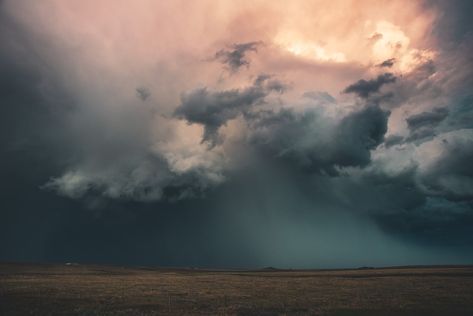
x,y
270,269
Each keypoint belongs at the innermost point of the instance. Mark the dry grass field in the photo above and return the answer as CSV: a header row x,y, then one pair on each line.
x,y
103,290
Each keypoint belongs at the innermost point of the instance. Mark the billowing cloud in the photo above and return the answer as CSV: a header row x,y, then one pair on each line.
x,y
212,109
317,142
423,125
314,150
364,88
426,118
235,56
448,173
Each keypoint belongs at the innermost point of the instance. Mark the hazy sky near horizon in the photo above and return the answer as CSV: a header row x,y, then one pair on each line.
x,y
237,133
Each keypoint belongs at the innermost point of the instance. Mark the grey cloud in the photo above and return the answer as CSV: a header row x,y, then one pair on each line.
x,y
424,126
317,143
213,109
364,88
388,63
456,23
145,179
460,114
393,140
235,56
270,83
374,191
417,86
361,132
422,135
436,168
424,119
450,174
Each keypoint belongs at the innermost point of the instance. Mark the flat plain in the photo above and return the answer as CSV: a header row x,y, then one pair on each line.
x,y
47,289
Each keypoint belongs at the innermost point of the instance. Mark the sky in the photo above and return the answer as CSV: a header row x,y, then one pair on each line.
x,y
236,134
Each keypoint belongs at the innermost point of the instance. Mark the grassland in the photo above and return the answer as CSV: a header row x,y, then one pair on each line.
x,y
104,290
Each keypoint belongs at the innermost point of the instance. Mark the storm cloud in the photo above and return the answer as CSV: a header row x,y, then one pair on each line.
x,y
126,145
212,109
315,142
364,88
424,119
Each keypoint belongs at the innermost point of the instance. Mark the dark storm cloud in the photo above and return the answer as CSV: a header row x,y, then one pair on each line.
x,y
235,56
388,63
436,222
456,23
32,100
91,152
393,140
213,109
461,114
423,126
108,164
450,175
32,140
37,225
364,130
414,87
364,88
316,144
426,119
422,135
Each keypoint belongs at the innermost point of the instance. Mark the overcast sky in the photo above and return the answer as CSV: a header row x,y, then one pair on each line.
x,y
296,134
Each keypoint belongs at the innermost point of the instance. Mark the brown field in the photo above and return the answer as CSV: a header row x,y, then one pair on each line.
x,y
104,290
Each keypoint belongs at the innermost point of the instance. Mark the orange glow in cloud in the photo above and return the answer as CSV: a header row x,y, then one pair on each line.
x,y
363,32
124,41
